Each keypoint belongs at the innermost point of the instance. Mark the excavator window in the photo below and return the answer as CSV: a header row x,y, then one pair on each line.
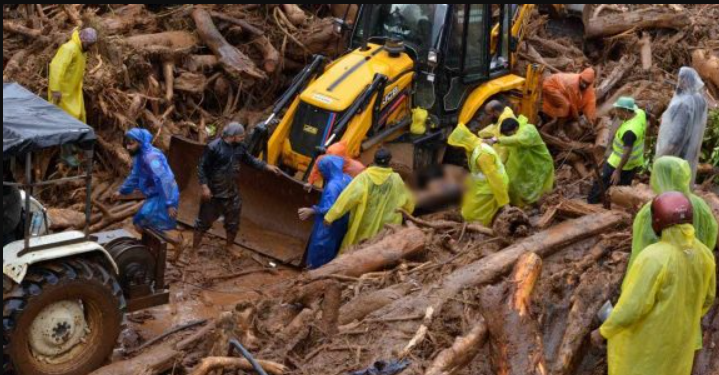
x,y
418,25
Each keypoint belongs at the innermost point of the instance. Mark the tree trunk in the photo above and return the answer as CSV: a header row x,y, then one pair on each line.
x,y
617,75
406,243
461,353
208,365
234,62
176,40
651,18
365,304
514,335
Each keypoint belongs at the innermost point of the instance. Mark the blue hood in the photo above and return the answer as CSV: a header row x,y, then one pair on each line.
x,y
331,167
142,136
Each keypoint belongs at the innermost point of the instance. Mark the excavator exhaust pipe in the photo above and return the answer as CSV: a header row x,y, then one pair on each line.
x,y
270,224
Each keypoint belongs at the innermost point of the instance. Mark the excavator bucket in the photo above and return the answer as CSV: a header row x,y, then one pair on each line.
x,y
270,224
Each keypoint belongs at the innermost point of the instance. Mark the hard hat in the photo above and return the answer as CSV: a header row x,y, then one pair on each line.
x,y
670,209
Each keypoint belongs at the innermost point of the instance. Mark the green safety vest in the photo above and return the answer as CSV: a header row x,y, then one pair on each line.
x,y
638,126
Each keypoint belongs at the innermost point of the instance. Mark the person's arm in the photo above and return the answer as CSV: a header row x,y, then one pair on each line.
x,y
204,169
495,180
589,109
58,69
245,157
347,201
523,137
164,179
488,132
629,139
132,182
642,284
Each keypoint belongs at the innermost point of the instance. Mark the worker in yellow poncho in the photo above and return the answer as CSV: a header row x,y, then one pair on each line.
x,y
373,200
673,174
67,71
529,164
488,185
498,112
668,290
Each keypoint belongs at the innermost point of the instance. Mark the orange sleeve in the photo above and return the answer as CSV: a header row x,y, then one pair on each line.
x,y
589,107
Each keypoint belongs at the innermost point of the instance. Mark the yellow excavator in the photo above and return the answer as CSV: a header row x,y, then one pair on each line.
x,y
447,59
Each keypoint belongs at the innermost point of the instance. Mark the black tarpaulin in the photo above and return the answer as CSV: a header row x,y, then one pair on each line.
x,y
30,123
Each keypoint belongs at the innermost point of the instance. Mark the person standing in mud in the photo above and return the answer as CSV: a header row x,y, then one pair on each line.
x,y
218,171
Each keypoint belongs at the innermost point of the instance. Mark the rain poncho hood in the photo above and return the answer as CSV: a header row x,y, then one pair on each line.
x,y
530,166
487,189
67,71
685,120
325,241
351,167
494,131
673,174
152,176
671,286
372,199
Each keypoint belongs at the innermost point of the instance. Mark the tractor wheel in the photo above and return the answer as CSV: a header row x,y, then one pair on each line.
x,y
64,319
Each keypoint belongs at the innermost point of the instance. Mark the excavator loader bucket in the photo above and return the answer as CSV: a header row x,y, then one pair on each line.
x,y
270,224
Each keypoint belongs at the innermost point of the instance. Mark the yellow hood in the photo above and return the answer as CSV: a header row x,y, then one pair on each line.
x,y
682,236
379,175
462,137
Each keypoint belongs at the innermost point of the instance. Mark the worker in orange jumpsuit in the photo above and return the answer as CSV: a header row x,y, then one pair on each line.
x,y
351,166
569,98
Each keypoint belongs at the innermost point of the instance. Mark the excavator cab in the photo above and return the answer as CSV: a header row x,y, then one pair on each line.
x,y
445,60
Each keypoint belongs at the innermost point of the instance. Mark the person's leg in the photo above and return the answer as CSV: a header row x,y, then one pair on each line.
x,y
233,212
595,196
209,213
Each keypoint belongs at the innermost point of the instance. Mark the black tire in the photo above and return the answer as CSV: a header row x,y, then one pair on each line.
x,y
49,283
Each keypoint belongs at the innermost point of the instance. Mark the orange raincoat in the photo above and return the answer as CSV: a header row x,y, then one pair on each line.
x,y
351,167
564,99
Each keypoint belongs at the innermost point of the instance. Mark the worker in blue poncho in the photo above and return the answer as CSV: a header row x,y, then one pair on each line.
x,y
325,241
152,176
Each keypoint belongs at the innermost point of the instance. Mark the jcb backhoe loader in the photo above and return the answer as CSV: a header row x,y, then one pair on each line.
x,y
448,59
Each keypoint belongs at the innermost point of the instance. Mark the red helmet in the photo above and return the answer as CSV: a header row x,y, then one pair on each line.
x,y
670,209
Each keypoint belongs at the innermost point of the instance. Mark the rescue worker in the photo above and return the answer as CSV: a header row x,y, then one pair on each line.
x,y
372,199
673,174
627,156
152,176
351,166
488,185
67,71
685,121
530,166
497,112
569,97
668,290
325,241
218,171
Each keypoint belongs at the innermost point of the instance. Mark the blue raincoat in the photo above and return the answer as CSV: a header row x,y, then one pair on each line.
x,y
152,176
326,241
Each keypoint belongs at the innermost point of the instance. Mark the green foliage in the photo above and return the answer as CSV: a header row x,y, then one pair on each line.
x,y
710,148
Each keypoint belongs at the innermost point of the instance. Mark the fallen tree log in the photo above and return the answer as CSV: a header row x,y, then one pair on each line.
x,y
360,307
461,353
631,197
650,18
294,14
244,25
626,63
208,365
514,335
596,286
406,243
491,268
645,44
234,62
174,40
707,65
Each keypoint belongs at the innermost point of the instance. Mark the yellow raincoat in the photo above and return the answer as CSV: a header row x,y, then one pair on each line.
x,y
493,131
488,185
673,174
530,166
67,71
671,286
372,199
